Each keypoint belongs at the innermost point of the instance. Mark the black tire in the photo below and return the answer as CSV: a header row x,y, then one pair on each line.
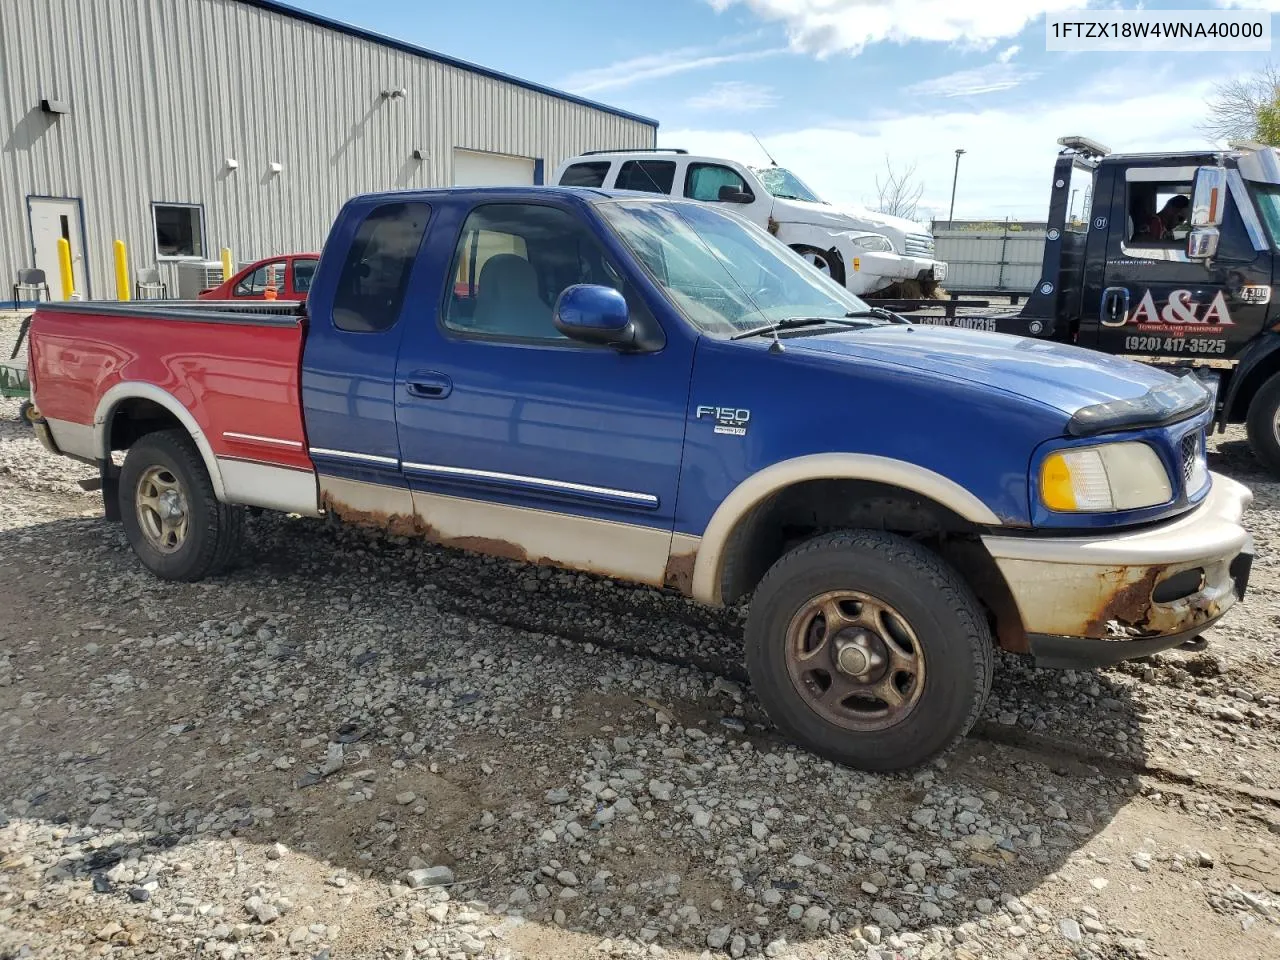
x,y
824,261
924,592
1262,426
213,531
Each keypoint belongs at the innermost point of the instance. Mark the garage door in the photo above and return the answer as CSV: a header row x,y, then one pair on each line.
x,y
474,169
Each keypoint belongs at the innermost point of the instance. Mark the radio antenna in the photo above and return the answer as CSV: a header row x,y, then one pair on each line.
x,y
772,162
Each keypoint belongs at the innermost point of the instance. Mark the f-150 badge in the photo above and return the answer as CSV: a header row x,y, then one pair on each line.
x,y
1180,310
731,421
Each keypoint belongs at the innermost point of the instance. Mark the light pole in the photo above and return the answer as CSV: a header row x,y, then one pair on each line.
x,y
953,188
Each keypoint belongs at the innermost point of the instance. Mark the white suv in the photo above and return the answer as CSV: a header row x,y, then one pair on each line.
x,y
865,251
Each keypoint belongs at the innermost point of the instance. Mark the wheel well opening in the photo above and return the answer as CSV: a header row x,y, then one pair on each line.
x,y
1253,382
832,255
798,513
136,417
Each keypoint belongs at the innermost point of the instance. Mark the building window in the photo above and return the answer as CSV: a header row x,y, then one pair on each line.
x,y
179,230
375,276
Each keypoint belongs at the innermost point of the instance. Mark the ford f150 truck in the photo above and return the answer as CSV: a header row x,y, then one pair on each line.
x,y
658,391
865,252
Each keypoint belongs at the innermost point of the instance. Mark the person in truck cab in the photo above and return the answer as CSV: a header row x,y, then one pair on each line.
x,y
1159,228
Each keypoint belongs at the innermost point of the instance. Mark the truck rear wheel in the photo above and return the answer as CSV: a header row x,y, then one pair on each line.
x,y
1263,425
174,522
869,650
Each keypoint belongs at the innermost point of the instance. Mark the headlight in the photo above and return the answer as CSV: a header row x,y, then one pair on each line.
x,y
872,243
1110,476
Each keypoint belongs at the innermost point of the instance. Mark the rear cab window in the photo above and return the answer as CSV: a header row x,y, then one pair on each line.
x,y
303,272
375,273
650,176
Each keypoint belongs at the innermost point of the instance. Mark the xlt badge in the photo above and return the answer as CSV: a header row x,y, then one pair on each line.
x,y
731,421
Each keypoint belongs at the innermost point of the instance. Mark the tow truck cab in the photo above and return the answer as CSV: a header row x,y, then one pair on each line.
x,y
1197,298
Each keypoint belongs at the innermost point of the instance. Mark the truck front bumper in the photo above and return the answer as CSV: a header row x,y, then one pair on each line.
x,y
1100,599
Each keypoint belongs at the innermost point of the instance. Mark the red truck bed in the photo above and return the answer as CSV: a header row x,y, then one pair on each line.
x,y
235,372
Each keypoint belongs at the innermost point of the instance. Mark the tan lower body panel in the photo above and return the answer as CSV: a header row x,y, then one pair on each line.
x,y
626,551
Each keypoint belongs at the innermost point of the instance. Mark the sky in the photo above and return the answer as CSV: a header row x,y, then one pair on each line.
x,y
840,90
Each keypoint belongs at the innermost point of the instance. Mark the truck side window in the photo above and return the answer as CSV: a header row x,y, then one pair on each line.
x,y
256,283
1157,211
704,180
651,176
375,275
590,174
511,264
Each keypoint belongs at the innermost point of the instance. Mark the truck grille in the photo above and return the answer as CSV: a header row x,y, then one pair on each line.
x,y
1190,450
918,245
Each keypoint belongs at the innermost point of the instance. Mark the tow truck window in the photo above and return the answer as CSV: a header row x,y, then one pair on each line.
x,y
1269,207
1145,200
1080,200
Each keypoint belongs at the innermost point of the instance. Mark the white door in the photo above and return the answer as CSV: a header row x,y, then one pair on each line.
x,y
471,168
51,221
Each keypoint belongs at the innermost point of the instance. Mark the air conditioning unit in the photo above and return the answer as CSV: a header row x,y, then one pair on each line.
x,y
195,276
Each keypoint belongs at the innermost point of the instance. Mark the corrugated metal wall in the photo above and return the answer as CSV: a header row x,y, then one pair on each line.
x,y
164,91
991,260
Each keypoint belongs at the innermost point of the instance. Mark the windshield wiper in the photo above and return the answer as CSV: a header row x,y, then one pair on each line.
x,y
879,313
791,323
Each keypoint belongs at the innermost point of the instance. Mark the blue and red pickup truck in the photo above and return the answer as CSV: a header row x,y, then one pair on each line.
x,y
658,391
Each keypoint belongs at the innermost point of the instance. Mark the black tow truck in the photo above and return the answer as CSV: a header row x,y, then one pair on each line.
x,y
1194,295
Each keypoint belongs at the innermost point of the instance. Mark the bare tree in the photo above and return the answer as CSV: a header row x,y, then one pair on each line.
x,y
1241,107
900,192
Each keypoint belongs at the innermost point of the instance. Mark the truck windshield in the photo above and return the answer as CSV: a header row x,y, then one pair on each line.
x,y
784,184
1269,206
724,274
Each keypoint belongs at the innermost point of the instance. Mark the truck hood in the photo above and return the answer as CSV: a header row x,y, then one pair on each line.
x,y
1066,378
841,218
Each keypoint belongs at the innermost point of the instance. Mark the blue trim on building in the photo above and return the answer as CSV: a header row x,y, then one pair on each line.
x,y
284,9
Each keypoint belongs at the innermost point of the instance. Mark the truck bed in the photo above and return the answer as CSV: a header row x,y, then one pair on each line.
x,y
225,368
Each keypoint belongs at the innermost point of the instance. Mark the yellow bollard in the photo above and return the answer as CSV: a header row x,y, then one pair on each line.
x,y
122,272
226,263
64,268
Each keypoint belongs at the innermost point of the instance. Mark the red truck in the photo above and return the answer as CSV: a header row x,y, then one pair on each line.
x,y
289,276
661,392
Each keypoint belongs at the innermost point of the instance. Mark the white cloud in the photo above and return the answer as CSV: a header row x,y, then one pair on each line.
x,y
733,96
1009,152
824,27
1008,53
624,73
968,83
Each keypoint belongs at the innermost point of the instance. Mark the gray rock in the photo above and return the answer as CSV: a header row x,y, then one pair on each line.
x,y
428,877
557,796
718,937
1070,929
661,790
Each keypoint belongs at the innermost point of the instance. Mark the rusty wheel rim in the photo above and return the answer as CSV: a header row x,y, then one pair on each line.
x,y
161,505
855,660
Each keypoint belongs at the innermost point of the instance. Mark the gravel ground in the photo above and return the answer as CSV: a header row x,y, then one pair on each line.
x,y
361,746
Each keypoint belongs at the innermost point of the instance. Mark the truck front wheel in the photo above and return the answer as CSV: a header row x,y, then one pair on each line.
x,y
174,522
869,650
1263,425
824,261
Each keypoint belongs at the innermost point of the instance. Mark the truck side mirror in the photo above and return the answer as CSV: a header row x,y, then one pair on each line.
x,y
594,313
731,194
1202,243
1208,197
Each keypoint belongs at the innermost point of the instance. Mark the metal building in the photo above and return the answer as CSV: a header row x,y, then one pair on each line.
x,y
185,126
